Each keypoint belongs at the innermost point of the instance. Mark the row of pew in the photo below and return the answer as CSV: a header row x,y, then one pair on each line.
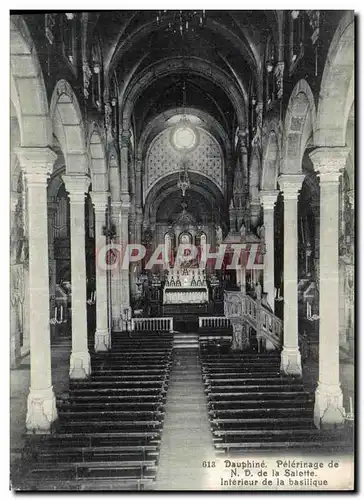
x,y
109,428
253,406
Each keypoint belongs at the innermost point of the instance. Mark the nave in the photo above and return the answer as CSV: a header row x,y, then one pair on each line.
x,y
158,405
135,134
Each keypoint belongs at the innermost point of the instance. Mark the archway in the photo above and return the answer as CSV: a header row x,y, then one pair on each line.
x,y
178,65
270,168
298,127
98,161
337,86
68,128
27,89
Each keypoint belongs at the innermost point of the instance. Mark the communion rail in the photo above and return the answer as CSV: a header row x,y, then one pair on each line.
x,y
213,322
152,324
238,306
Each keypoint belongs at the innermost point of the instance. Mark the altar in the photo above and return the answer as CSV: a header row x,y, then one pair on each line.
x,y
185,286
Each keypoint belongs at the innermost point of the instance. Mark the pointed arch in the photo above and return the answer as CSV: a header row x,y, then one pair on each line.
x,y
298,127
68,127
27,89
337,85
270,167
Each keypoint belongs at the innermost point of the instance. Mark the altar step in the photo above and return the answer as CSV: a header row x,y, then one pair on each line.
x,y
185,341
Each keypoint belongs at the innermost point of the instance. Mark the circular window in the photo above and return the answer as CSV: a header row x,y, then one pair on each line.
x,y
184,137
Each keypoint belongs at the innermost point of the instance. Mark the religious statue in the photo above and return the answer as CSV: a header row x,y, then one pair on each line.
x,y
261,232
258,290
242,231
218,235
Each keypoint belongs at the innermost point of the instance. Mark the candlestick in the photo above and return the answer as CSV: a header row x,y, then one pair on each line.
x,y
61,319
55,312
351,405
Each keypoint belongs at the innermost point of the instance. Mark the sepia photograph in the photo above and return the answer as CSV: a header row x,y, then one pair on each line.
x,y
182,250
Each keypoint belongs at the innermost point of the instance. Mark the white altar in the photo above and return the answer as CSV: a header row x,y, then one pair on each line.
x,y
185,286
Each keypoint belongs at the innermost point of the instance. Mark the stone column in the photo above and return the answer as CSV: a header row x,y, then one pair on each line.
x,y
52,210
124,169
37,164
116,273
77,187
125,280
268,200
290,184
102,334
15,354
254,214
329,162
243,212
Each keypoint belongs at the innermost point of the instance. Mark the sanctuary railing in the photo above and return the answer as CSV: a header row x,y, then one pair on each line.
x,y
213,322
152,324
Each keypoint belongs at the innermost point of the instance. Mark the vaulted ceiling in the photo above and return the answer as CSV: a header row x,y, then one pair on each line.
x,y
229,44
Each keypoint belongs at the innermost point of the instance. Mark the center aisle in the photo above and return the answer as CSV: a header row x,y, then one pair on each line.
x,y
186,440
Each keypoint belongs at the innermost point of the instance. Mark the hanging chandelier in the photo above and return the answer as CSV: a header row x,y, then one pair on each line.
x,y
181,21
184,181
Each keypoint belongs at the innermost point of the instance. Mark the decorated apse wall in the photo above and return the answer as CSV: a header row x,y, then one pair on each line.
x,y
183,146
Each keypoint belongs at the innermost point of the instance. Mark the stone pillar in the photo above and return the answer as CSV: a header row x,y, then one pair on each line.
x,y
329,162
290,184
116,273
102,334
52,210
77,187
241,278
37,164
268,200
124,169
125,281
254,214
243,212
14,302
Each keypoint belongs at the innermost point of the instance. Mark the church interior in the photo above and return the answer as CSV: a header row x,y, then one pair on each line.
x,y
134,134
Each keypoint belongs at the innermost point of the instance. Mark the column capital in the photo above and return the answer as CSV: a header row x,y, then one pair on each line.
x,y
125,201
138,165
329,162
115,206
14,199
290,184
268,199
36,163
125,138
77,186
243,139
99,200
351,196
